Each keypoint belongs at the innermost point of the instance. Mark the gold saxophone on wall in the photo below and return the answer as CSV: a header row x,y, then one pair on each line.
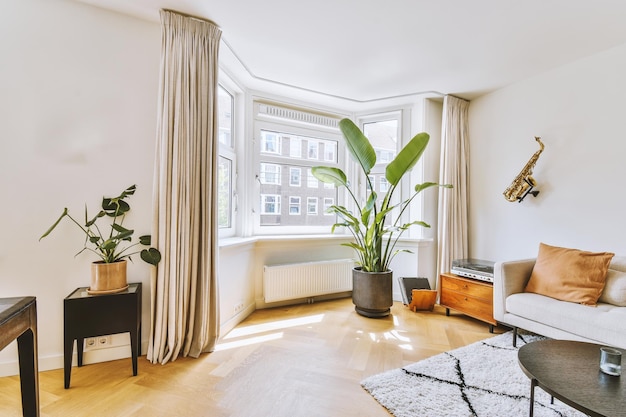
x,y
523,184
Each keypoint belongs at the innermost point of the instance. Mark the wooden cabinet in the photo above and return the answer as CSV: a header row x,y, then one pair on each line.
x,y
468,296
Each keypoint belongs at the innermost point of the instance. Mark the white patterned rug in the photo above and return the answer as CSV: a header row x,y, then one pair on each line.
x,y
482,379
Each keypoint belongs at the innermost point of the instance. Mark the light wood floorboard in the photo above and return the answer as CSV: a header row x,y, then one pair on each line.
x,y
296,361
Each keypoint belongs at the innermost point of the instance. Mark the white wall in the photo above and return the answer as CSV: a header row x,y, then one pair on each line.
x,y
78,94
578,110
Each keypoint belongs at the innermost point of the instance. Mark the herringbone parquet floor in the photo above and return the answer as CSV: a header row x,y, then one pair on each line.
x,y
296,361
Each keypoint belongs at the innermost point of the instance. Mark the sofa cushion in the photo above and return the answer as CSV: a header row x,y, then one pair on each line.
x,y
569,274
602,323
614,289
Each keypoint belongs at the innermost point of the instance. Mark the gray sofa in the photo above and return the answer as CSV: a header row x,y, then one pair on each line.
x,y
604,324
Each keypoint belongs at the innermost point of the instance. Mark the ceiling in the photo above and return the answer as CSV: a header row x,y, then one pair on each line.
x,y
367,51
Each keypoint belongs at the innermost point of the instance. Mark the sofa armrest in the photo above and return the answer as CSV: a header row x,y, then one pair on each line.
x,y
509,278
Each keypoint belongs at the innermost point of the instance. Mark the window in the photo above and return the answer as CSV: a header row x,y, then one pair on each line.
x,y
295,147
226,162
294,205
311,181
224,178
270,142
270,204
225,113
312,147
330,149
311,205
291,142
294,177
328,201
270,174
383,131
384,185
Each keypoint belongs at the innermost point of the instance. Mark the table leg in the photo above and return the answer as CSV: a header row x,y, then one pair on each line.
x,y
134,347
29,376
533,384
68,351
80,345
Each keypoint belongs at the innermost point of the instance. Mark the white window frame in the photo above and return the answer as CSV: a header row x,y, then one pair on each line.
x,y
293,170
295,201
416,176
327,202
276,174
277,145
264,198
229,151
308,206
304,129
313,147
329,156
311,181
293,141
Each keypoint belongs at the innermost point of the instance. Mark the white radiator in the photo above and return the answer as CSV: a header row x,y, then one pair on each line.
x,y
291,281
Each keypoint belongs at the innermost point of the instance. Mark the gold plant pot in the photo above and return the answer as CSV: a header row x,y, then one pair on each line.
x,y
108,278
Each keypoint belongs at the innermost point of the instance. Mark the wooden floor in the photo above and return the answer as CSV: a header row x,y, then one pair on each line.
x,y
297,361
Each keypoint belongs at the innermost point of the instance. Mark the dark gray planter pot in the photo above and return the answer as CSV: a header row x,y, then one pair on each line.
x,y
372,293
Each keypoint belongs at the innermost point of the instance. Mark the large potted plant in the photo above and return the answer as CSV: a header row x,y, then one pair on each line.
x,y
376,223
113,244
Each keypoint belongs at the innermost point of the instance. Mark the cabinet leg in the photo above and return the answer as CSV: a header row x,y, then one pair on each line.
x,y
134,349
80,345
447,312
68,350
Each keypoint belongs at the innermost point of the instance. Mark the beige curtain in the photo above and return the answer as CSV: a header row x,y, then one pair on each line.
x,y
454,169
184,299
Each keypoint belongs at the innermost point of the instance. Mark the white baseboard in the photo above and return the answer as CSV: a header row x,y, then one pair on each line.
x,y
48,363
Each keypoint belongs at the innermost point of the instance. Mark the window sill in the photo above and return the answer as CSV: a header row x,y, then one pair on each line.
x,y
242,241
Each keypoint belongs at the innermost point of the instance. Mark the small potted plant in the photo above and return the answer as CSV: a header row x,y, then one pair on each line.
x,y
108,275
372,223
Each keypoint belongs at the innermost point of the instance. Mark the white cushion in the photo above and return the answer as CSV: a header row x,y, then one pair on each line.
x,y
614,289
602,323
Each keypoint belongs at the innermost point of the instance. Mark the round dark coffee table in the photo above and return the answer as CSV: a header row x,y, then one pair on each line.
x,y
570,371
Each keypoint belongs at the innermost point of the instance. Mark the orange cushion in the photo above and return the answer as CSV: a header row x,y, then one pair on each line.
x,y
569,274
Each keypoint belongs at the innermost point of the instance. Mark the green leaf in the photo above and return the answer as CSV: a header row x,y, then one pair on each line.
x,y
422,187
124,235
354,246
109,244
129,191
91,222
358,145
406,158
330,175
367,210
145,240
54,224
151,256
114,207
120,228
346,215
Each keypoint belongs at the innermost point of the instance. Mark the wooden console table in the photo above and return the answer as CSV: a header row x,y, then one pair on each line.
x,y
468,296
18,320
86,315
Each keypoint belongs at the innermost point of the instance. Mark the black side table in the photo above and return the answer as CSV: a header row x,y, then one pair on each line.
x,y
86,315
